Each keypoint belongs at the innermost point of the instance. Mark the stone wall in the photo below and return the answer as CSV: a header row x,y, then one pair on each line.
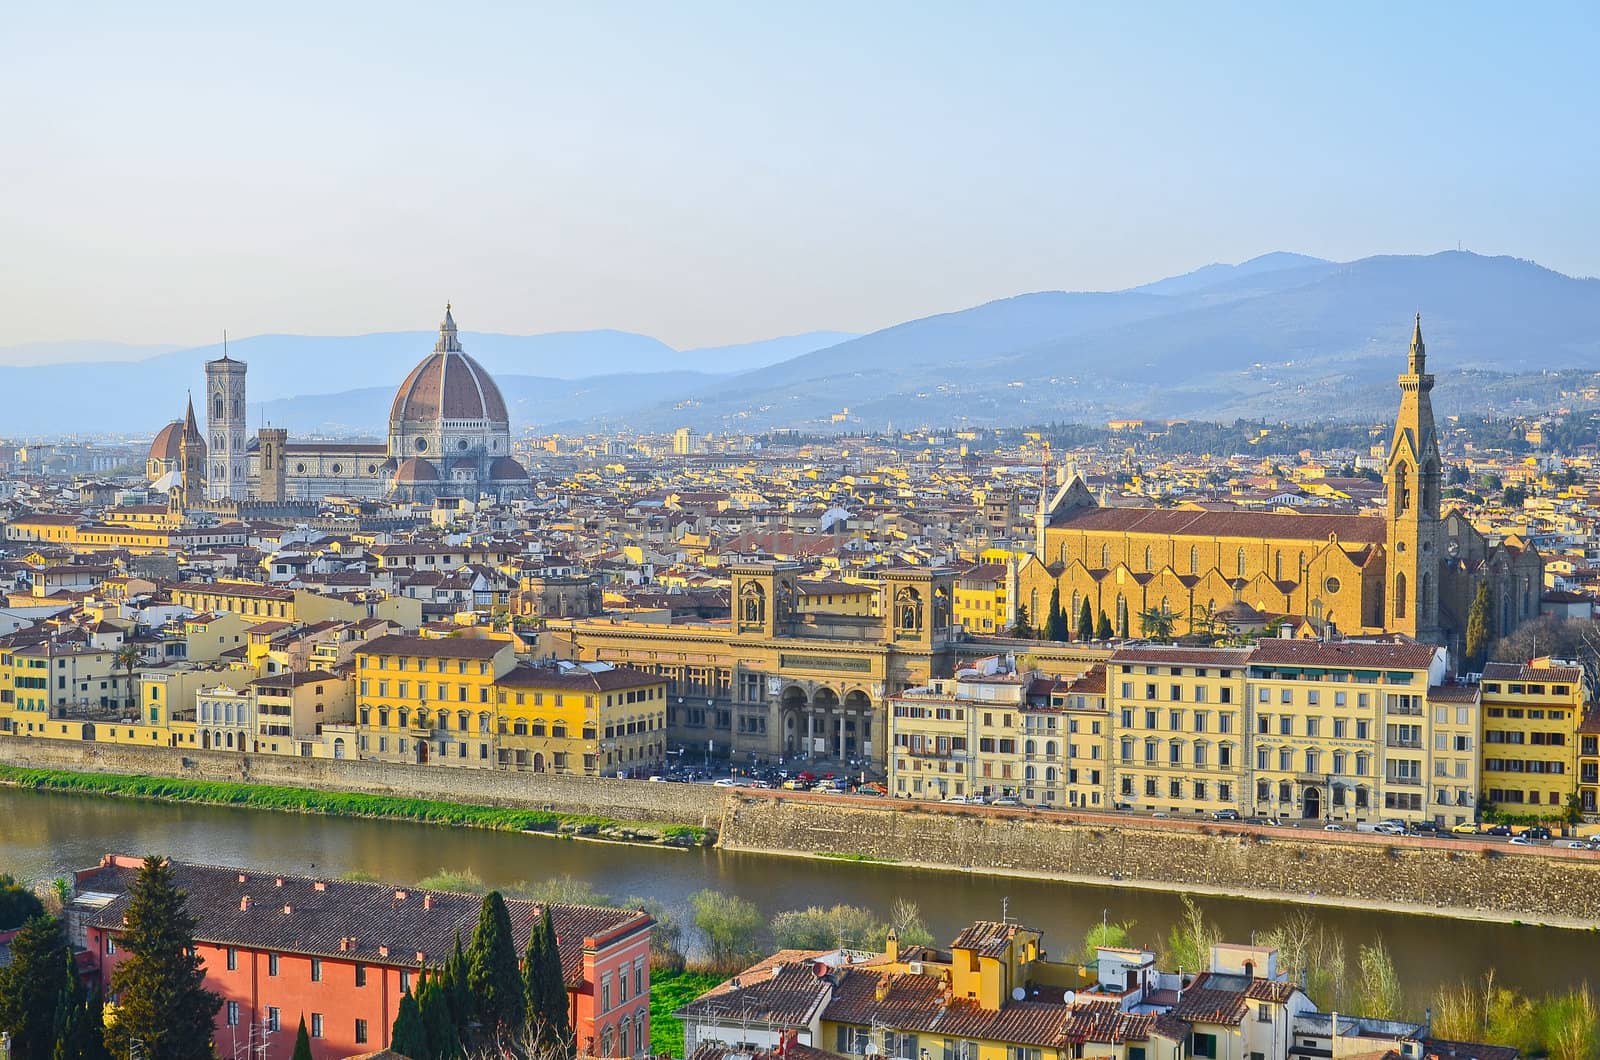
x,y
1419,874
692,804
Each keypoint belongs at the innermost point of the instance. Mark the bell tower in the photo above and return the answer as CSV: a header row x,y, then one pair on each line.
x,y
225,423
1414,486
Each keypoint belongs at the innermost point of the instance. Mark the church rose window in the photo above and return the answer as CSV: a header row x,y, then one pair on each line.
x,y
299,469
422,444
1331,585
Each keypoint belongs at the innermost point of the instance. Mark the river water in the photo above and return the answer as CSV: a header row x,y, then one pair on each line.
x,y
43,835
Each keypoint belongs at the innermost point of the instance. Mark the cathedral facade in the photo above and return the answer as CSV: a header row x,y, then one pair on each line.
x,y
1413,570
449,436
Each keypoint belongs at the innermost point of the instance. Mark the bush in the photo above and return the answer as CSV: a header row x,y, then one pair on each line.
x,y
731,927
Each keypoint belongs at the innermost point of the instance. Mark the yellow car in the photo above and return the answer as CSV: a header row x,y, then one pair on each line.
x,y
1465,829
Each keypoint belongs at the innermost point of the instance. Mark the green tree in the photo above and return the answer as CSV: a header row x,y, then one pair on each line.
x,y
1570,1025
730,926
1056,625
1156,624
443,1038
31,987
1105,933
1190,940
457,992
1514,496
1378,992
1478,628
816,928
408,1036
128,658
160,984
1085,621
1102,629
544,984
666,933
1019,625
492,970
18,905
79,1022
905,920
302,1040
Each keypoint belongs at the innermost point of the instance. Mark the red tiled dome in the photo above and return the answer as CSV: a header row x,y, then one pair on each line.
x,y
168,442
448,385
416,470
505,469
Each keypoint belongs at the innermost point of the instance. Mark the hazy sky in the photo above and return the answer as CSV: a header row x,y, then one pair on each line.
x,y
712,173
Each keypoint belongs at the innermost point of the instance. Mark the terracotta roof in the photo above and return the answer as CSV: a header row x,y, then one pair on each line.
x,y
448,385
1407,655
989,938
525,675
1218,998
1171,655
434,647
1519,672
1172,522
322,914
1453,694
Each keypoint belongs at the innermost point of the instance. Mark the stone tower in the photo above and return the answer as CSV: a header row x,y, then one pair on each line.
x,y
225,423
1414,489
191,463
272,447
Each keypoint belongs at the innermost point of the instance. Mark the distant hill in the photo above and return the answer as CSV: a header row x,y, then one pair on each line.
x,y
143,392
1283,335
65,352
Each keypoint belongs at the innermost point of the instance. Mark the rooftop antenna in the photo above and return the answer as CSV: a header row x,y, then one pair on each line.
x,y
1005,910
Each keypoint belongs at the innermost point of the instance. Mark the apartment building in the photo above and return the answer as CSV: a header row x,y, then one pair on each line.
x,y
423,698
575,719
1532,717
342,954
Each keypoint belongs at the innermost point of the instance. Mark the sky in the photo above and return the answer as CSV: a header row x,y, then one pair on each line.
x,y
711,173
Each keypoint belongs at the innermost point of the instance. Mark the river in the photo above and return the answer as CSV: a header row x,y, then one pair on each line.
x,y
43,835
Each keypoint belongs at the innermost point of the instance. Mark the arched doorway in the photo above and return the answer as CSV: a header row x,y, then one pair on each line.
x,y
1311,801
338,747
538,762
88,732
824,727
791,711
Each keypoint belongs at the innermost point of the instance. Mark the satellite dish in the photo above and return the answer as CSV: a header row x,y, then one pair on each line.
x,y
1069,997
1017,993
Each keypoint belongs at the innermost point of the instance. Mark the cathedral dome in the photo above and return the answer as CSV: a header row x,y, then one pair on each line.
x,y
168,442
505,469
447,385
415,470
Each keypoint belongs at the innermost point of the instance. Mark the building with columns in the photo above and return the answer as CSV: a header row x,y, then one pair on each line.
x,y
1414,569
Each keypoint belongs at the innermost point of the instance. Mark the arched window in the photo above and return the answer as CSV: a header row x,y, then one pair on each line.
x,y
1122,616
1028,774
1277,565
1241,563
1166,608
1050,774
1402,488
1105,556
1422,595
1194,559
1050,749
403,716
1028,747
1062,553
1400,595
1148,555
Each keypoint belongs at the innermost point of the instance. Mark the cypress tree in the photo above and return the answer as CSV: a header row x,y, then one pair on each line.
x,y
302,1040
545,981
443,1038
32,987
161,984
492,971
408,1037
1102,630
1085,621
79,1021
1478,628
1055,626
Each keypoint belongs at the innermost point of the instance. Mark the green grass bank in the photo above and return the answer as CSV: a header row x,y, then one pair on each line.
x,y
670,991
348,804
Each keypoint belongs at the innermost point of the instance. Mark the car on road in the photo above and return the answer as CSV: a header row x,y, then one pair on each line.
x,y
1389,828
658,780
1333,828
796,784
1006,800
725,782
1499,830
1464,829
1521,841
1225,815
1538,831
1577,844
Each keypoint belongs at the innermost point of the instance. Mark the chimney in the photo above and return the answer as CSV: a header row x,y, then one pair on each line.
x,y
244,904
319,886
278,882
427,901
287,909
383,951
242,878
422,958
399,896
345,944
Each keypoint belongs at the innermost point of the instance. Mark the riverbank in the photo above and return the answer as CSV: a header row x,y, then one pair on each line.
x,y
286,799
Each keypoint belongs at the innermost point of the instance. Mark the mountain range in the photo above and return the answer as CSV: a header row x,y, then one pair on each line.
x,y
1282,336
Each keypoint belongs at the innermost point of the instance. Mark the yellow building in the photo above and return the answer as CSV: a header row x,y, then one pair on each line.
x,y
1532,717
250,599
1179,727
419,699
1589,764
981,599
60,680
576,720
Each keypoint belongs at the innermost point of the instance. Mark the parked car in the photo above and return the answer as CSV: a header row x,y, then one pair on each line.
x,y
1333,828
1521,841
796,784
1578,844
1428,827
725,782
1499,829
1538,831
1465,829
1225,815
1390,828
1006,800
658,780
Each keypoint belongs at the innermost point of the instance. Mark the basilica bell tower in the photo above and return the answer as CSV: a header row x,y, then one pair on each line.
x,y
1414,484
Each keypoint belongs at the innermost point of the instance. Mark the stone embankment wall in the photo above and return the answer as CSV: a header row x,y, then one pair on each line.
x,y
1445,876
629,800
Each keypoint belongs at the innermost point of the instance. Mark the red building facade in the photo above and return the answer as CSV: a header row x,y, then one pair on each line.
x,y
278,947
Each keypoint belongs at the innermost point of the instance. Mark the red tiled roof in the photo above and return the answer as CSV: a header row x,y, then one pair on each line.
x,y
1407,655
1172,522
